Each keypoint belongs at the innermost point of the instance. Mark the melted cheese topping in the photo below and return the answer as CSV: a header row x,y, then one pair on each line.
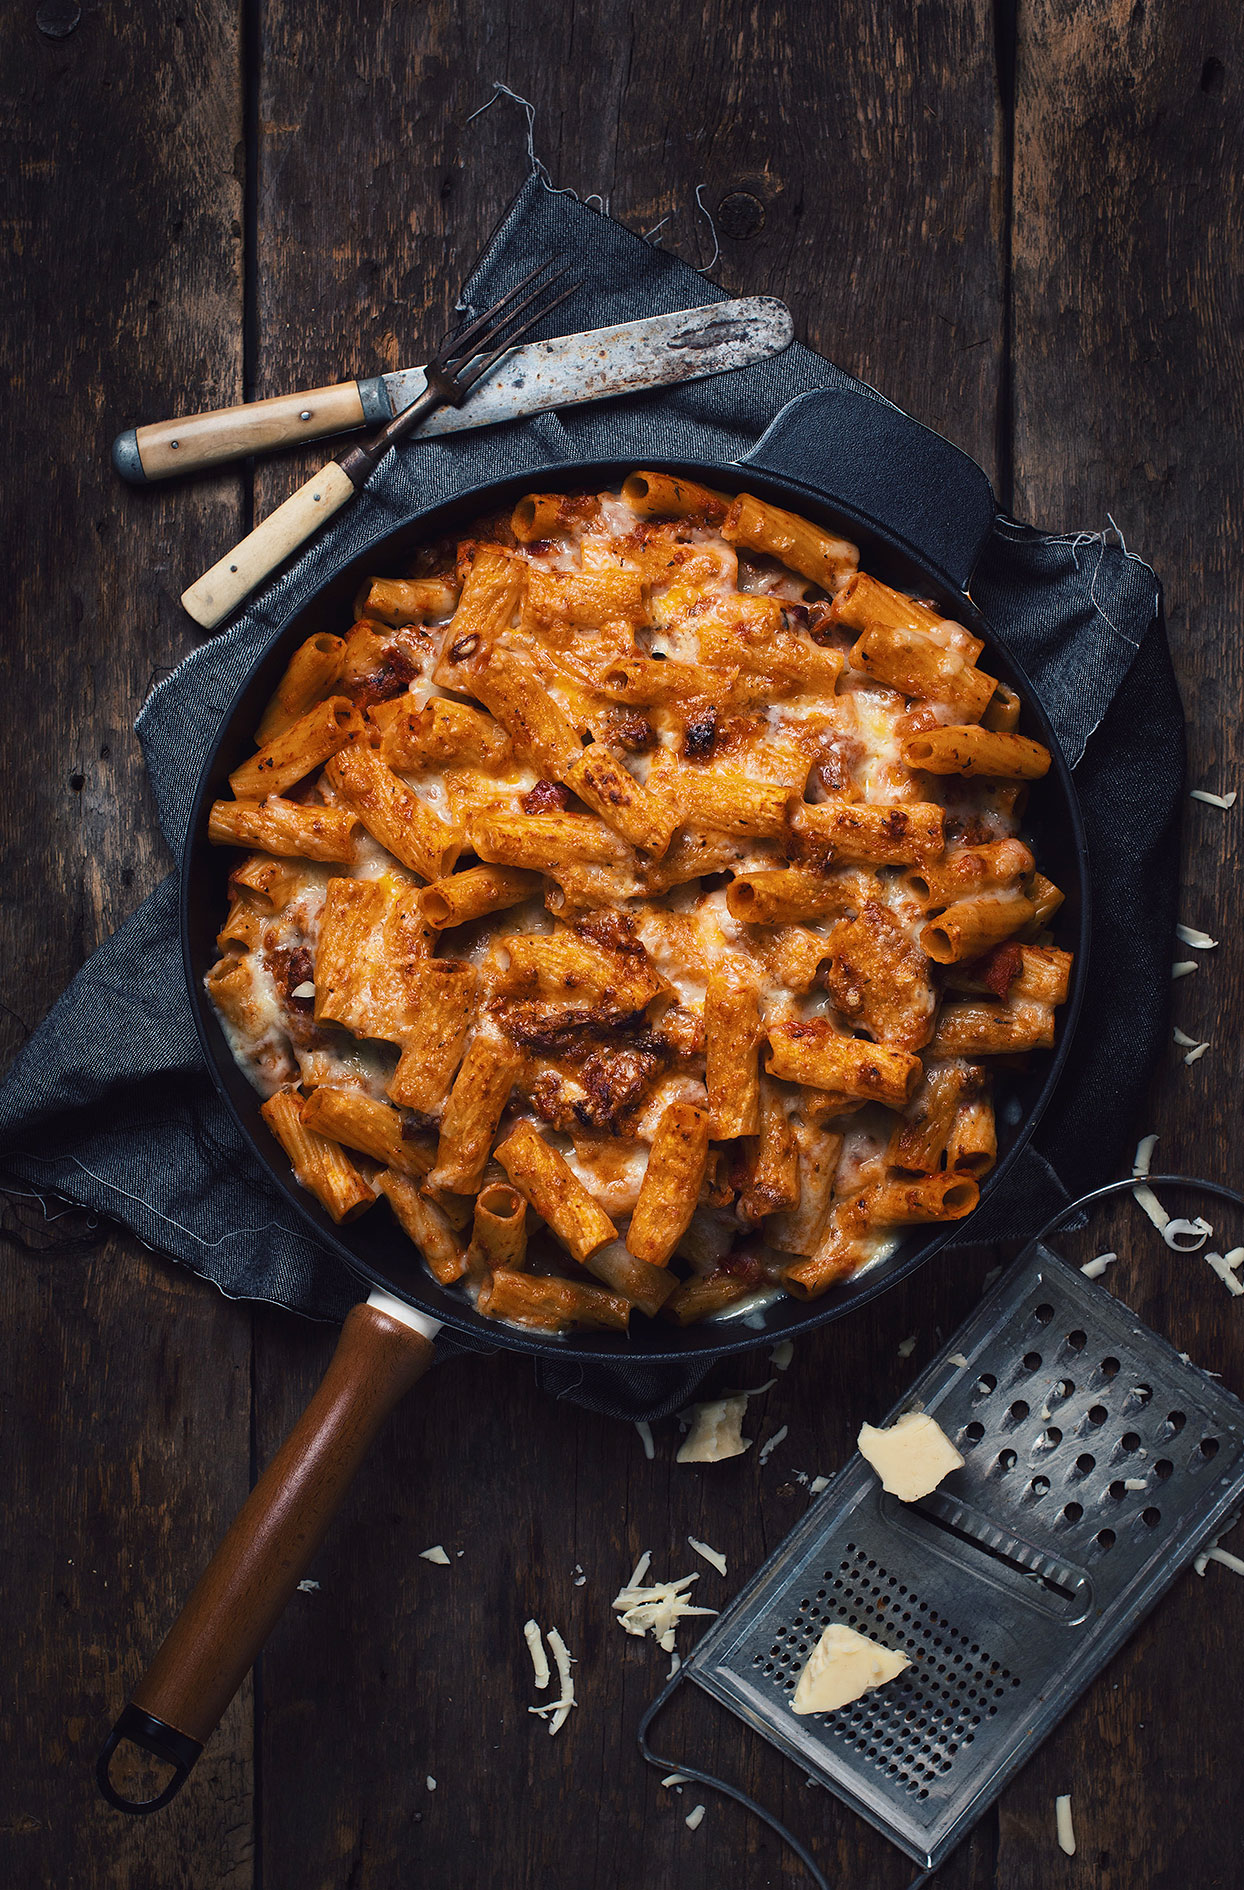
x,y
746,645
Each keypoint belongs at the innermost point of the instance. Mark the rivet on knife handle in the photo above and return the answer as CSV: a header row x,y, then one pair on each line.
x,y
169,447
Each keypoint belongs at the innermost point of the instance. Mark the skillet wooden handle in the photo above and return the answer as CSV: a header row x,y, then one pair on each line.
x,y
168,447
218,1634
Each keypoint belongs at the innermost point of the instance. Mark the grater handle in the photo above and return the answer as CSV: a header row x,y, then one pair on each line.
x,y
719,1784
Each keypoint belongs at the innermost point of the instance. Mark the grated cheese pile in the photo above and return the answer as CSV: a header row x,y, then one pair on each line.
x,y
654,1608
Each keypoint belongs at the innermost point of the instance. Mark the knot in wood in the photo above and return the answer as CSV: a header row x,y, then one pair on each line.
x,y
740,214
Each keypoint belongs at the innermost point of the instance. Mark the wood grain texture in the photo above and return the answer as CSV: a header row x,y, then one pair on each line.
x,y
1129,398
861,170
126,1381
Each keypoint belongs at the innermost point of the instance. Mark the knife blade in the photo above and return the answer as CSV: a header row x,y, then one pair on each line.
x,y
658,351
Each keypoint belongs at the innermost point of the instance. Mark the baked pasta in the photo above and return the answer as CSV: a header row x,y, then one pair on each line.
x,y
632,900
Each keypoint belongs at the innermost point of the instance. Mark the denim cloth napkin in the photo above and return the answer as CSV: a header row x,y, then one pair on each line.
x,y
109,1104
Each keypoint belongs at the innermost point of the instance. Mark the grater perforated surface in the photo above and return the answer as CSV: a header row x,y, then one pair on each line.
x,y
1097,1463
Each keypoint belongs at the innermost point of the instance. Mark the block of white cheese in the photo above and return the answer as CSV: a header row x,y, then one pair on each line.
x,y
842,1667
912,1457
716,1432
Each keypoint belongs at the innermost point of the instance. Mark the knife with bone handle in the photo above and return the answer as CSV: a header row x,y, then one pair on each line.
x,y
624,359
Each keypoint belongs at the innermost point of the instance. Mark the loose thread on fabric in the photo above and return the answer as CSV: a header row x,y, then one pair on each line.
x,y
13,1228
234,1233
30,1194
538,167
708,215
1076,542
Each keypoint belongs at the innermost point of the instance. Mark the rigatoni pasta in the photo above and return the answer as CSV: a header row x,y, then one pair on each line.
x,y
630,902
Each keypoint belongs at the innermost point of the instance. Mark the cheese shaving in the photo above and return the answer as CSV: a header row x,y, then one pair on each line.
x,y
304,990
1183,967
1195,1050
535,1647
1199,941
767,1449
436,1555
1148,1200
1222,1266
577,1576
957,1359
1145,1197
1063,1825
782,1354
1093,1269
1228,1560
1235,1259
655,1608
307,1587
1186,1236
645,1438
1213,800
713,1556
907,1346
1144,1155
675,1663
1133,1483
694,1819
430,1782
674,1778
716,1431
817,1485
557,1712
1201,1563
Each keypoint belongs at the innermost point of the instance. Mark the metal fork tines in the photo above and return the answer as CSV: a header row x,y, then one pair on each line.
x,y
464,357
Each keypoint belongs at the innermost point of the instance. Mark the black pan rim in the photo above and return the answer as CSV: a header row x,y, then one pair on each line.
x,y
721,1338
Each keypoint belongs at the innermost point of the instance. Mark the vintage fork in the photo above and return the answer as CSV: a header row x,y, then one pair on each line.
x,y
463,358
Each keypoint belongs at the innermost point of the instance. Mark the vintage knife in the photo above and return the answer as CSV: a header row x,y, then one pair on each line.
x,y
655,352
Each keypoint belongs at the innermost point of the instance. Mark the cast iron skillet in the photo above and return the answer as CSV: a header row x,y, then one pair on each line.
x,y
920,511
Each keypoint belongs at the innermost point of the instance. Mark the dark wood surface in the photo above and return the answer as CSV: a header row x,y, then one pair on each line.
x,y
1023,225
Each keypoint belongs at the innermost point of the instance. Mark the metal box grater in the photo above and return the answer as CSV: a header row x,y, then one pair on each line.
x,y
1015,1581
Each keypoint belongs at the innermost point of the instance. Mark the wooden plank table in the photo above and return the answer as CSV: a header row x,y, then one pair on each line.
x,y
1023,225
